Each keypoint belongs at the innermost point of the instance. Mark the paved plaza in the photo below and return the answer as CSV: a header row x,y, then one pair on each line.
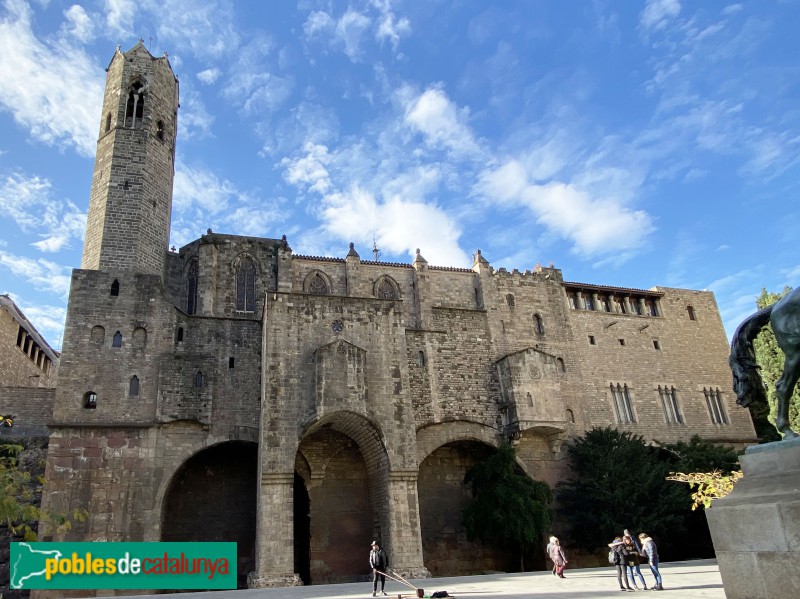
x,y
682,580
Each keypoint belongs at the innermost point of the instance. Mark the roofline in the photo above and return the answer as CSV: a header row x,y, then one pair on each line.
x,y
20,317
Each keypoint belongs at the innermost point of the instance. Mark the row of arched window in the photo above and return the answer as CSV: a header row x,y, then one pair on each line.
x,y
90,397
138,337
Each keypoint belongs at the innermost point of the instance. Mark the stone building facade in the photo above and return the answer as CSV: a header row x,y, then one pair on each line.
x,y
304,406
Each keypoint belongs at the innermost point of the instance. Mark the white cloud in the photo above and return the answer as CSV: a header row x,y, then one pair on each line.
x,y
350,29
440,121
42,274
29,202
658,13
206,27
196,189
48,320
309,170
80,24
392,29
318,21
399,226
52,89
209,76
119,16
596,225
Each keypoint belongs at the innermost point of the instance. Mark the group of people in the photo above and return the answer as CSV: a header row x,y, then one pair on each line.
x,y
626,553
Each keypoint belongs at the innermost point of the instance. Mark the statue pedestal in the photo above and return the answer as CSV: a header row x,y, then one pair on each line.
x,y
756,529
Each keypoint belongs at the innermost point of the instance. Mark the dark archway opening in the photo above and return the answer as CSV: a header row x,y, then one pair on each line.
x,y
442,496
341,519
302,530
212,497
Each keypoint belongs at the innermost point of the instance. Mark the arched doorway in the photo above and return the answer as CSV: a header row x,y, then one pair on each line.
x,y
442,496
340,513
212,497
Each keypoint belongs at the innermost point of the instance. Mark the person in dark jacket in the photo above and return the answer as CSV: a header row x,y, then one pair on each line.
x,y
379,562
634,551
621,563
650,550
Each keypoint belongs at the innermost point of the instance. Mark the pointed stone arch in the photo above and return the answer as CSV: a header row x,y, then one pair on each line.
x,y
317,283
386,287
246,271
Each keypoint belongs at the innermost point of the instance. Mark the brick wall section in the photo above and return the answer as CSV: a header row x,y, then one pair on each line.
x,y
31,408
18,369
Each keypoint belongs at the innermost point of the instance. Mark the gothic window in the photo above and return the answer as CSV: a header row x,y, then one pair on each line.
x,y
623,408
669,401
191,284
715,408
117,342
386,290
570,415
97,335
246,286
691,313
134,109
538,324
510,301
133,388
317,285
115,288
198,379
90,400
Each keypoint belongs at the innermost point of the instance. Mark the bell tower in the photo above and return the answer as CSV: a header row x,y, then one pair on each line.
x,y
131,199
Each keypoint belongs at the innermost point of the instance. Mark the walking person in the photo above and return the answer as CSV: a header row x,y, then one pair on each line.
x,y
620,560
547,551
634,550
379,562
651,551
558,557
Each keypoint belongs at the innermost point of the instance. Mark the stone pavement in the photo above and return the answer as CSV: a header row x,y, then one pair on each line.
x,y
682,580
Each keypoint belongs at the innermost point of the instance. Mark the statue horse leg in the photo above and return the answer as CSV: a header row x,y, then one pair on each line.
x,y
784,389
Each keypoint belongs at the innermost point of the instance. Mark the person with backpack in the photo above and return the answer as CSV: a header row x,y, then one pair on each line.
x,y
651,551
618,556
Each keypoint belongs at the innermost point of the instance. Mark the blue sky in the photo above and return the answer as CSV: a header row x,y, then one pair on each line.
x,y
633,144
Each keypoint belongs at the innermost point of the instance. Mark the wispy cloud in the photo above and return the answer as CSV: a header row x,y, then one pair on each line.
x,y
48,320
658,13
51,87
42,274
441,123
30,203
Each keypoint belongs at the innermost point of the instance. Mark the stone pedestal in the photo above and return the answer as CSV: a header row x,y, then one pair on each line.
x,y
756,529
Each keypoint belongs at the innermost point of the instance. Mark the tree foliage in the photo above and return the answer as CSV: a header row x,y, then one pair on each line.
x,y
20,494
701,456
507,507
770,358
618,482
707,486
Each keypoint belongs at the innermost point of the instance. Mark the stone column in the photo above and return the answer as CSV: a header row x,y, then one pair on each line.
x,y
756,529
405,533
275,534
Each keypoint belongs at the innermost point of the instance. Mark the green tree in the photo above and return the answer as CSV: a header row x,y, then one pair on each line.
x,y
702,456
507,507
770,358
617,482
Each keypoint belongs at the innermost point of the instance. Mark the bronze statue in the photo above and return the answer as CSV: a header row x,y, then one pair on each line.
x,y
784,317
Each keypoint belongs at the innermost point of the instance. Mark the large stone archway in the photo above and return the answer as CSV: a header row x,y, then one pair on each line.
x,y
442,496
212,497
342,466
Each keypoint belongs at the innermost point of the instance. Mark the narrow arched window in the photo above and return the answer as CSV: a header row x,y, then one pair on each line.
x,y
117,342
179,336
421,358
139,337
134,109
191,285
570,415
160,130
530,400
97,335
133,388
90,400
690,311
115,288
108,122
198,379
246,286
560,365
538,324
